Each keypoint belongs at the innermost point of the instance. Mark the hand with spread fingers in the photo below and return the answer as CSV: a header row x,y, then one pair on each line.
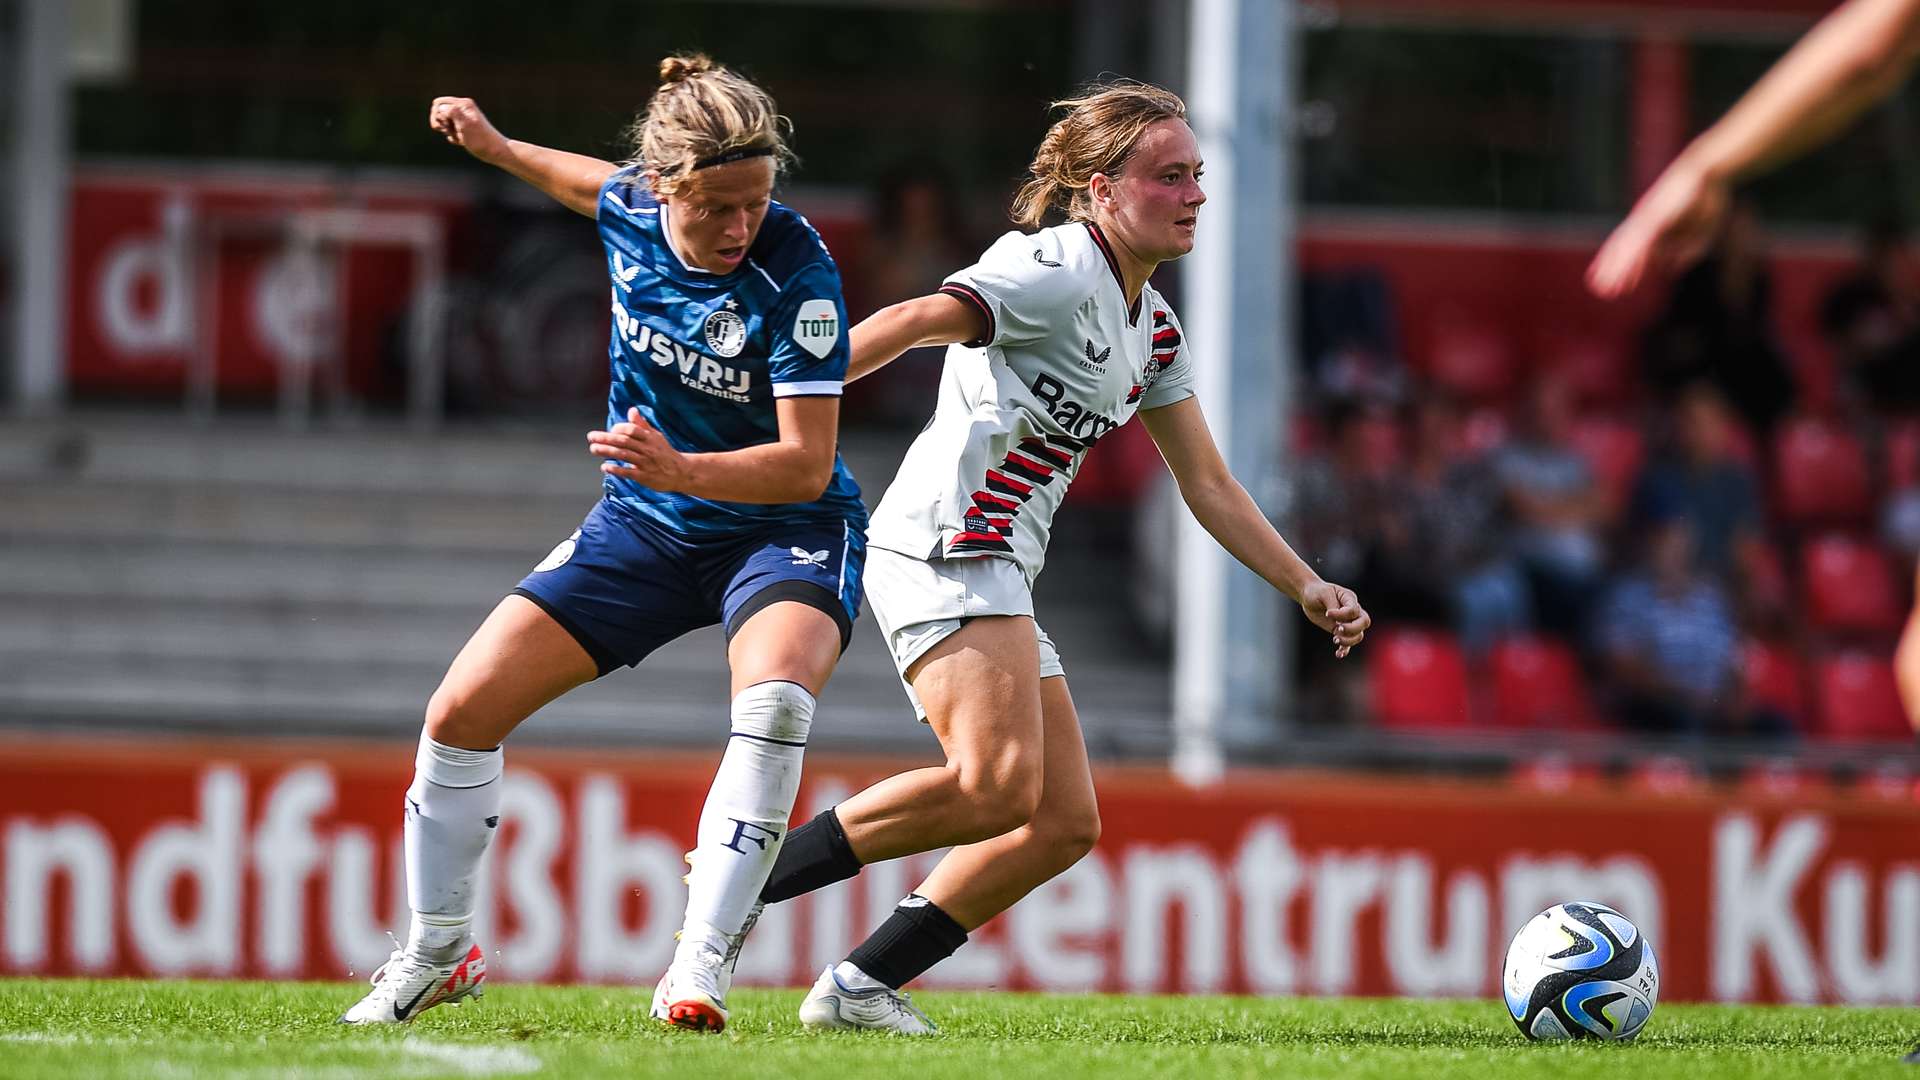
x,y
1335,609
636,451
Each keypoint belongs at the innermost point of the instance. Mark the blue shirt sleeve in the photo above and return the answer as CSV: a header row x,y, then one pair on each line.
x,y
618,186
807,331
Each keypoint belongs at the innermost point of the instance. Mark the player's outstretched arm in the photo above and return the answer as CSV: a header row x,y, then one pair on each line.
x,y
572,180
1230,516
1852,59
939,319
795,468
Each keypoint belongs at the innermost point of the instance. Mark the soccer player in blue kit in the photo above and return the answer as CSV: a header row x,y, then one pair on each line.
x,y
732,506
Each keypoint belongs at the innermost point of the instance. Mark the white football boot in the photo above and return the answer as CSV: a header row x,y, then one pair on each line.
x,y
404,987
832,1004
692,994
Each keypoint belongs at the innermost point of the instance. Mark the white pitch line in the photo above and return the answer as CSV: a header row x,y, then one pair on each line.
x,y
62,1038
475,1060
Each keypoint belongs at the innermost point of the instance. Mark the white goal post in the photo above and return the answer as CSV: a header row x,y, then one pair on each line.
x,y
1232,641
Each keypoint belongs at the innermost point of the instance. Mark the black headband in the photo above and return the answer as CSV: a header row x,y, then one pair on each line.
x,y
730,156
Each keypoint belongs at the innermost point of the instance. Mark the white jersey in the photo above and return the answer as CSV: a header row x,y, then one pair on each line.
x,y
1064,362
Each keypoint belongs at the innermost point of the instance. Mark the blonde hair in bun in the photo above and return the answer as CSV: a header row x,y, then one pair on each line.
x,y
703,110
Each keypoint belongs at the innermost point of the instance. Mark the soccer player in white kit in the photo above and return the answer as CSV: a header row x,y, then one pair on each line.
x,y
1056,338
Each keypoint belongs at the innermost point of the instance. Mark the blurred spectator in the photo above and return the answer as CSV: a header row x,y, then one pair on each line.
x,y
1700,477
1348,337
1872,321
919,237
1557,508
1718,327
1441,554
1335,506
1668,644
1339,494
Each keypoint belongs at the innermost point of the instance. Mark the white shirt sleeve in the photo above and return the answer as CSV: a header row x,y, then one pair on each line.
x,y
1173,376
1025,285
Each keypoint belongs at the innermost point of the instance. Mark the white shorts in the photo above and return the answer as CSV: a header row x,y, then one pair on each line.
x,y
919,602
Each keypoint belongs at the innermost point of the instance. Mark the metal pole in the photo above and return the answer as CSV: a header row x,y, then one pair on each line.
x,y
1231,657
40,192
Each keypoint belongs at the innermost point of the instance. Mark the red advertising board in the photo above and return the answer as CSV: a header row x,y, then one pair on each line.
x,y
275,860
173,263
168,260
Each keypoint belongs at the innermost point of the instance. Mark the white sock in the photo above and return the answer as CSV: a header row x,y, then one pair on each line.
x,y
745,817
853,978
453,810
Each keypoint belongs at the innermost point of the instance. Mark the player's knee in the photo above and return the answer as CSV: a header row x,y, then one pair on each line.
x,y
776,711
1000,799
455,719
1071,832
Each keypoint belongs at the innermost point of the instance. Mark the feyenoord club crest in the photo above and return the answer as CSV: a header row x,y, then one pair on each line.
x,y
726,334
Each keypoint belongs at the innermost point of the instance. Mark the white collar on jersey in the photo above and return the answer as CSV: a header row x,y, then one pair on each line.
x,y
667,235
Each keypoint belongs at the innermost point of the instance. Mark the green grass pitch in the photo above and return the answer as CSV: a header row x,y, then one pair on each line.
x,y
81,1030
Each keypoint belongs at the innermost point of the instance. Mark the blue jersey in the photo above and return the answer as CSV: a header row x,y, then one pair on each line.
x,y
703,356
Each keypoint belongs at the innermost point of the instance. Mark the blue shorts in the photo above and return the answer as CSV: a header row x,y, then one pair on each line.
x,y
623,586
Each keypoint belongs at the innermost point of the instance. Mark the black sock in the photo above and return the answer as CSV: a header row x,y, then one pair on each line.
x,y
815,856
915,937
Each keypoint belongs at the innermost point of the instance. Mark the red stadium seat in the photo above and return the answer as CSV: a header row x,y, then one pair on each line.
x,y
1537,684
1596,368
1858,701
1849,586
1763,574
1614,450
1816,375
1903,455
1820,473
1771,673
1419,680
1471,357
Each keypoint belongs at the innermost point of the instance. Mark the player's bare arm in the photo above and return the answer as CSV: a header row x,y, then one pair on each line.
x,y
1906,665
572,180
796,468
1852,59
1222,506
938,319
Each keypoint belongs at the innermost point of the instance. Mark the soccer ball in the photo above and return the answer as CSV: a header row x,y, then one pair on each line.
x,y
1581,971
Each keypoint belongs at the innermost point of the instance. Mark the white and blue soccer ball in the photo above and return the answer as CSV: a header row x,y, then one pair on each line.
x,y
1581,970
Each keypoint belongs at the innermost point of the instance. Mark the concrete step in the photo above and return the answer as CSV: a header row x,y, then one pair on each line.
x,y
82,510
242,578
289,575
678,695
492,460
129,451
